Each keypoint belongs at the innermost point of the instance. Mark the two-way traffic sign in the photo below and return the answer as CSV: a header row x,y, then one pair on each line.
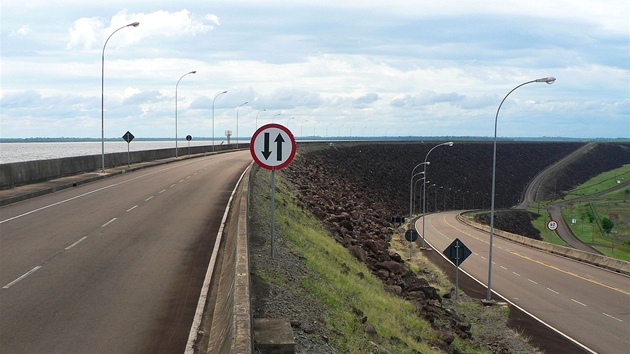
x,y
273,146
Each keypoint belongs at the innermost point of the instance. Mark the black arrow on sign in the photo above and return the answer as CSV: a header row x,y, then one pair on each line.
x,y
279,140
266,152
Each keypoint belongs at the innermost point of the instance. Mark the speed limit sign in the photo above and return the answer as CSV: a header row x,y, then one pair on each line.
x,y
552,225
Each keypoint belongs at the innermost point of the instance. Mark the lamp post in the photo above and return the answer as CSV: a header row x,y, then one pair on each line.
x,y
262,110
424,190
176,85
549,80
415,189
239,107
288,120
214,99
301,131
411,201
133,24
274,117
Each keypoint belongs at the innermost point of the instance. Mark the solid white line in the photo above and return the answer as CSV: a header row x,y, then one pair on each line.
x,y
109,222
132,208
571,339
22,277
553,291
574,300
146,200
194,328
76,243
613,317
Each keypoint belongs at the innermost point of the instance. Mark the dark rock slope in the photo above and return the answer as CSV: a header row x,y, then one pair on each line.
x,y
355,189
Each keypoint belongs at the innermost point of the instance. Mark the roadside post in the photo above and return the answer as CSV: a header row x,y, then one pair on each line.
x,y
128,138
188,138
552,225
457,253
273,147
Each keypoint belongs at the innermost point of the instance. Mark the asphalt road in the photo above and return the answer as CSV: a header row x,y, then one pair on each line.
x,y
113,266
588,304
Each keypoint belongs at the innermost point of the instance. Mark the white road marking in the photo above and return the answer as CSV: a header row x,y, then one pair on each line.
x,y
146,200
515,273
613,317
76,243
109,222
553,291
22,277
132,208
532,281
574,300
181,180
503,267
172,185
162,191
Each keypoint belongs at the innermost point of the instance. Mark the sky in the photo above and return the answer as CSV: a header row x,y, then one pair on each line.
x,y
359,68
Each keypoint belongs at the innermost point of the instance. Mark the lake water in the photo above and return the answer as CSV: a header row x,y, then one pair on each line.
x,y
19,151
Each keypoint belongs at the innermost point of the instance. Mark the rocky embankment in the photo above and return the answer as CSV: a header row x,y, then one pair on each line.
x,y
356,188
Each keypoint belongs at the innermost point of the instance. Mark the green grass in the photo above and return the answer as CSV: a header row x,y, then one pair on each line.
x,y
617,243
341,283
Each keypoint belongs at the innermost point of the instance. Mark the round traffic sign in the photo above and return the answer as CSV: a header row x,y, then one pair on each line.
x,y
552,225
273,146
411,235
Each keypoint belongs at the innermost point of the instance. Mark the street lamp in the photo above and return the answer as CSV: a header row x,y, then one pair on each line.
x,y
214,99
301,131
549,80
274,117
176,85
134,24
262,110
288,120
424,190
239,107
411,201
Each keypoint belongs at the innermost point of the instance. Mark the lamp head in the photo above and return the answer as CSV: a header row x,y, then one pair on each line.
x,y
549,80
135,24
450,143
224,92
193,72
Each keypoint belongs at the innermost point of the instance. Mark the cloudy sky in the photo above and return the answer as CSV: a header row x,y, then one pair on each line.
x,y
322,67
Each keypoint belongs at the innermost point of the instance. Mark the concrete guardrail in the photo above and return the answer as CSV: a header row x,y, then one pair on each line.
x,y
613,264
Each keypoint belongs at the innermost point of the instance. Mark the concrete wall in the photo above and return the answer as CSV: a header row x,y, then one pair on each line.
x,y
578,255
21,173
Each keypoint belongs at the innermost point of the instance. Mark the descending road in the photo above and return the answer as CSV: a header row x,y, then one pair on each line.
x,y
114,266
588,304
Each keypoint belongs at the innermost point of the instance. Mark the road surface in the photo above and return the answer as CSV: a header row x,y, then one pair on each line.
x,y
588,304
114,266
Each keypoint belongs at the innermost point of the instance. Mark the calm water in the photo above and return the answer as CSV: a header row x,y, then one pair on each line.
x,y
17,152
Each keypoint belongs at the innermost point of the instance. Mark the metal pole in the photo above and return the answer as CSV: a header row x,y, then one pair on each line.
x,y
424,190
548,80
134,24
176,85
273,213
239,107
214,99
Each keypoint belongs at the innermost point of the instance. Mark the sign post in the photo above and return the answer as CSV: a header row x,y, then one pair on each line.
x,y
188,138
128,138
552,225
457,253
273,147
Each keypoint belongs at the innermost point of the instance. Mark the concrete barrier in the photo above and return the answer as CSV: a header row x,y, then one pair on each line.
x,y
231,328
28,172
598,260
